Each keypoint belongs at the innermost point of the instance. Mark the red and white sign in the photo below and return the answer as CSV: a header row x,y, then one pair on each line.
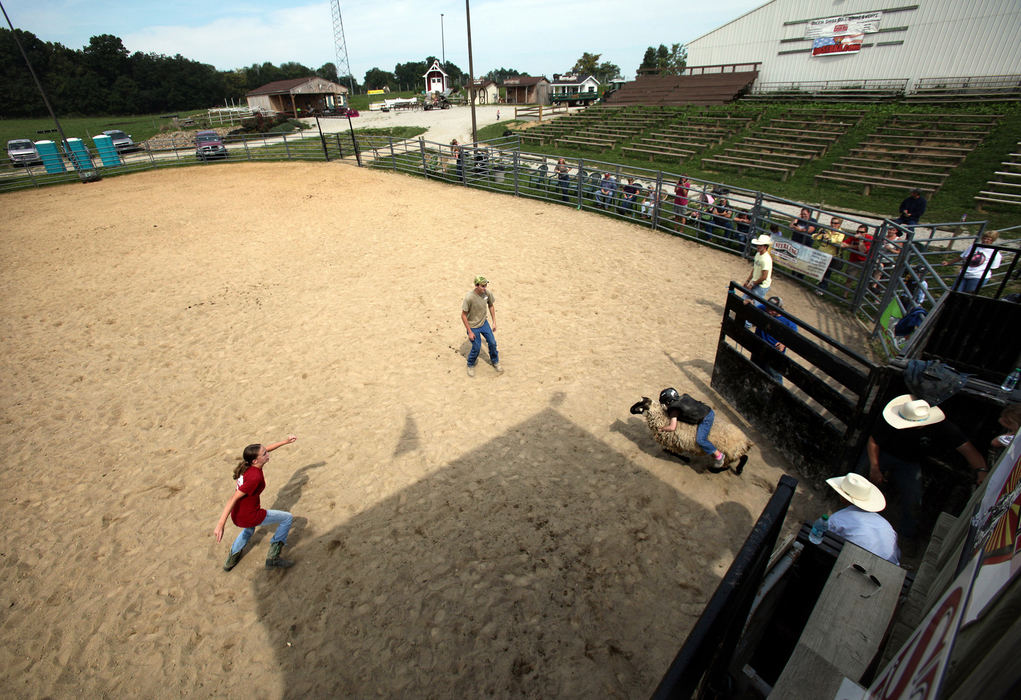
x,y
834,45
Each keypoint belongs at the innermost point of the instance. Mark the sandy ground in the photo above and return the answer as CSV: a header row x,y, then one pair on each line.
x,y
515,535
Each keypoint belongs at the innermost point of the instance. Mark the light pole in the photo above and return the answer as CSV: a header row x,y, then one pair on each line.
x,y
471,71
443,44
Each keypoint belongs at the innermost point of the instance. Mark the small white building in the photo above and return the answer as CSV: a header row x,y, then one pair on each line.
x,y
484,92
573,84
436,79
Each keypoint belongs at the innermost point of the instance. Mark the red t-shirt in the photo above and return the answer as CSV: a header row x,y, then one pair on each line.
x,y
248,512
855,256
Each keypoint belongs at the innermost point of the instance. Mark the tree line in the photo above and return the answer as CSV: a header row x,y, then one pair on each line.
x,y
104,78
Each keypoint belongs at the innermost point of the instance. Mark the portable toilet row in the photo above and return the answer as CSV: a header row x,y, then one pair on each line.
x,y
53,162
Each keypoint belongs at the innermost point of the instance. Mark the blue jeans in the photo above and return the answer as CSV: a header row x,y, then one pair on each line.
x,y
969,285
483,331
273,517
702,433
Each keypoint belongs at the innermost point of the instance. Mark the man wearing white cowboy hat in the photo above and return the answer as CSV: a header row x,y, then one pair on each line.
x,y
761,278
911,431
861,522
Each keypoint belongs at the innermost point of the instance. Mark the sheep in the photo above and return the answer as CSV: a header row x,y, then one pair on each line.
x,y
728,439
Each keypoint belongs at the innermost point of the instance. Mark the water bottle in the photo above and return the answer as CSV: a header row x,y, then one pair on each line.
x,y
1010,383
819,528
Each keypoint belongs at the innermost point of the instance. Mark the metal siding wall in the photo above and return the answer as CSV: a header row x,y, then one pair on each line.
x,y
944,38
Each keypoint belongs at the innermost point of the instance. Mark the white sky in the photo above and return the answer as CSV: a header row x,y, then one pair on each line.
x,y
538,37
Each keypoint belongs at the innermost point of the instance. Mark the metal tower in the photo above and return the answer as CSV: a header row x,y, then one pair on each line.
x,y
340,44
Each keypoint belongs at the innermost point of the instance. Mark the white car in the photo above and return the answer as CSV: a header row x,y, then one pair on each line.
x,y
22,152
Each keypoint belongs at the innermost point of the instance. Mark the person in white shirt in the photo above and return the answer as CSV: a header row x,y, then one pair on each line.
x,y
861,522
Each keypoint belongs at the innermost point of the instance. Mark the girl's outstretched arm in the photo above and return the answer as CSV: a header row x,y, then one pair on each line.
x,y
218,532
288,441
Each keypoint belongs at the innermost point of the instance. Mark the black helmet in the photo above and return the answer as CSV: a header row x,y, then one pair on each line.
x,y
668,396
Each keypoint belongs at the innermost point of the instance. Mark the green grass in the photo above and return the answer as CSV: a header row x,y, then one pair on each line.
x,y
140,127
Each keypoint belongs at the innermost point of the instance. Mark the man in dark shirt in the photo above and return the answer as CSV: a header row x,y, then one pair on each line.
x,y
912,208
913,430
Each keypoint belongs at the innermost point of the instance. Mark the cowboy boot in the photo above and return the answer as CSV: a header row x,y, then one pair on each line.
x,y
233,559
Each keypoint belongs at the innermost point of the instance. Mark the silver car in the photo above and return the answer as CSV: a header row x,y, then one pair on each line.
x,y
22,152
122,141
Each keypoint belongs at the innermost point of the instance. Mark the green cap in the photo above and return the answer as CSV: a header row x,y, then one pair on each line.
x,y
481,280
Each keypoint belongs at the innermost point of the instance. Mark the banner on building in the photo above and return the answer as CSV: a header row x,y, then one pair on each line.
x,y
863,23
834,45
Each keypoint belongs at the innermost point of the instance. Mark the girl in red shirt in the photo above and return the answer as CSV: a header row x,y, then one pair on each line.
x,y
246,511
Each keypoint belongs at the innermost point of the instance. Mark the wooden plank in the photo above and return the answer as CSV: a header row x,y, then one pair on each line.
x,y
846,627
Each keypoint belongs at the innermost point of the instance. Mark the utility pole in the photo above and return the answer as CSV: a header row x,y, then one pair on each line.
x,y
443,44
471,72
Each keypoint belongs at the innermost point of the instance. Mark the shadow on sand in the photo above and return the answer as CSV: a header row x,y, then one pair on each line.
x,y
542,564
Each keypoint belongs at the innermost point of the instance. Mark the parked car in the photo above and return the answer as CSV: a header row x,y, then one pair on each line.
x,y
209,145
22,152
122,141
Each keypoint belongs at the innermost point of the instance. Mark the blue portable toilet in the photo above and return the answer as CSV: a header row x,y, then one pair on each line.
x,y
107,151
52,160
79,155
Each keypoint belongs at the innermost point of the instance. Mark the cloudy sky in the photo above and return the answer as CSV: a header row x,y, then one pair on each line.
x,y
538,37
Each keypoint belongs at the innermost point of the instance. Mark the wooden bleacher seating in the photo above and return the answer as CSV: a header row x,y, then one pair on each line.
x,y
910,151
1005,187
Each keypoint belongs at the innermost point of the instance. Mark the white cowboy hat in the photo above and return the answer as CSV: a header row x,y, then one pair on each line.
x,y
905,411
859,491
762,240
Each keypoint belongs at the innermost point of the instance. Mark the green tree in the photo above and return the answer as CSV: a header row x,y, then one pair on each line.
x,y
377,79
499,75
328,71
589,64
409,75
648,61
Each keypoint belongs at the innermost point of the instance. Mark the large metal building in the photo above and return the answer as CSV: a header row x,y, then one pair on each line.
x,y
841,40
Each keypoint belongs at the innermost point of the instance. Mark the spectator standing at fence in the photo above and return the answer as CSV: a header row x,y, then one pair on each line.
x,y
910,431
858,245
563,172
761,278
860,522
543,174
628,195
888,254
681,199
607,190
912,208
722,215
803,227
473,316
829,240
977,261
760,358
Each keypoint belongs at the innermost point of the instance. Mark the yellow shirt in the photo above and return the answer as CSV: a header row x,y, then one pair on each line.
x,y
829,240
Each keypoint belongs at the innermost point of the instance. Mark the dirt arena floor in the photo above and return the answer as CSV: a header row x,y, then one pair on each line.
x,y
515,535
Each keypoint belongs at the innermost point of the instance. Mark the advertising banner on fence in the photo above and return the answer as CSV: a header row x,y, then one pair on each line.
x,y
800,258
863,23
